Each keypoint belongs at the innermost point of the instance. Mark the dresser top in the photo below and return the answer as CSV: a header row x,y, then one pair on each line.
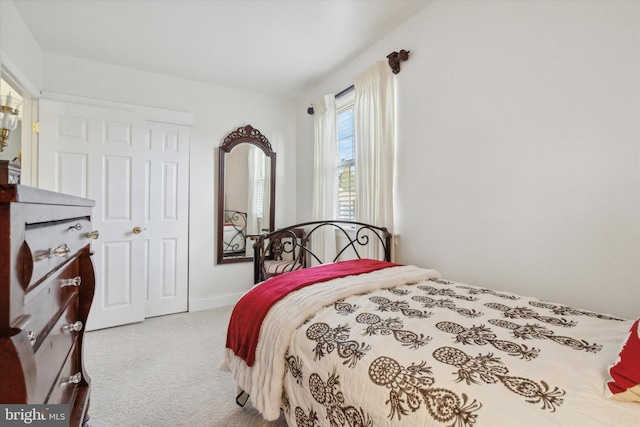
x,y
10,193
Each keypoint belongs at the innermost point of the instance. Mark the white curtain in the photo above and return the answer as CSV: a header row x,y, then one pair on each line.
x,y
375,138
324,175
266,192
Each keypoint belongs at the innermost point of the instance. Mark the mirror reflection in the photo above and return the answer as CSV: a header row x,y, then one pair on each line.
x,y
247,189
246,193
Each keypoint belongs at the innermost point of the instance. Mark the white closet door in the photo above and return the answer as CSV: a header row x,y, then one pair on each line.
x,y
99,153
166,218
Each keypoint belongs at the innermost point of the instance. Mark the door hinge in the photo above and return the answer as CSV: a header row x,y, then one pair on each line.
x,y
35,127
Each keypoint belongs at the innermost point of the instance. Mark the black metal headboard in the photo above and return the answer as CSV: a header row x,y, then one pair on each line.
x,y
294,242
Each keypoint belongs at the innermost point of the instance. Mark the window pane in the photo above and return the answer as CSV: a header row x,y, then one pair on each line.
x,y
346,166
346,142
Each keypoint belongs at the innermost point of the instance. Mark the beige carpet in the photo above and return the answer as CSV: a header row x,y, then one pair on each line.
x,y
163,372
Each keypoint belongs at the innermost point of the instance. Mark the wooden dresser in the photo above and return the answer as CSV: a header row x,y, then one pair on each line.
x,y
46,288
9,172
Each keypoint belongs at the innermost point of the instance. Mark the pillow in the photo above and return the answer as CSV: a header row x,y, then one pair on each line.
x,y
279,267
624,384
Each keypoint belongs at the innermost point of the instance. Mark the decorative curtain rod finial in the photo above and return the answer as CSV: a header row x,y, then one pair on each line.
x,y
395,58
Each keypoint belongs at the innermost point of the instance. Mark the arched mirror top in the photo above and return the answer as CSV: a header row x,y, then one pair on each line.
x,y
247,134
246,193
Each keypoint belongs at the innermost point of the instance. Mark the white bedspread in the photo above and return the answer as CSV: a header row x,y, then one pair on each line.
x,y
263,381
397,347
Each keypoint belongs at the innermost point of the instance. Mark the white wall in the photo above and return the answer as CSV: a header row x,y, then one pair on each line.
x,y
519,147
20,50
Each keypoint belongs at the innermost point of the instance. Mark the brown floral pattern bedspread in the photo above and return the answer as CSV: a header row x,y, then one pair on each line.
x,y
441,353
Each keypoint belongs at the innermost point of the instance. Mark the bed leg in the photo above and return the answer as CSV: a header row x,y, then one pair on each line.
x,y
242,397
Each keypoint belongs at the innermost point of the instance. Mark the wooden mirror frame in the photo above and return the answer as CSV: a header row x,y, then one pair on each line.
x,y
242,135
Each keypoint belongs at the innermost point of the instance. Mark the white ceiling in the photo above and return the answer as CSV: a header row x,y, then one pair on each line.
x,y
280,48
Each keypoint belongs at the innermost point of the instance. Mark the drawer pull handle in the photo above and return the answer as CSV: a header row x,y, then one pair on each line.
x,y
93,235
78,227
72,327
74,281
73,379
31,336
62,251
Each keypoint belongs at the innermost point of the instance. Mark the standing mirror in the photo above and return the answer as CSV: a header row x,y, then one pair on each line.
x,y
246,193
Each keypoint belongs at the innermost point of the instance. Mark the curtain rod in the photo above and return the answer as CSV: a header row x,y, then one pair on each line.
x,y
395,58
344,91
337,95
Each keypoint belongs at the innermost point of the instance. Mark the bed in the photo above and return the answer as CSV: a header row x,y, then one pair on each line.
x,y
367,342
234,232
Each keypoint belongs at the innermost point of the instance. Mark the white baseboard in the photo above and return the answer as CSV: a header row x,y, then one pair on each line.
x,y
207,303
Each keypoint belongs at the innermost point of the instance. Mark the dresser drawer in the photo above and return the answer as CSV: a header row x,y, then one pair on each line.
x,y
64,388
44,302
54,351
49,245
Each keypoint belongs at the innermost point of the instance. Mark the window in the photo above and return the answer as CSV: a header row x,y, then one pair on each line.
x,y
346,200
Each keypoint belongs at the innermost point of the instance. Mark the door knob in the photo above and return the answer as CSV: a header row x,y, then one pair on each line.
x,y
93,235
137,230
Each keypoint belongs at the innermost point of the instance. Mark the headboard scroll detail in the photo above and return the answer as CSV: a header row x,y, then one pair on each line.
x,y
294,244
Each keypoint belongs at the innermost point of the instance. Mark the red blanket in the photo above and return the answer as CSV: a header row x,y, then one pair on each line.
x,y
250,311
